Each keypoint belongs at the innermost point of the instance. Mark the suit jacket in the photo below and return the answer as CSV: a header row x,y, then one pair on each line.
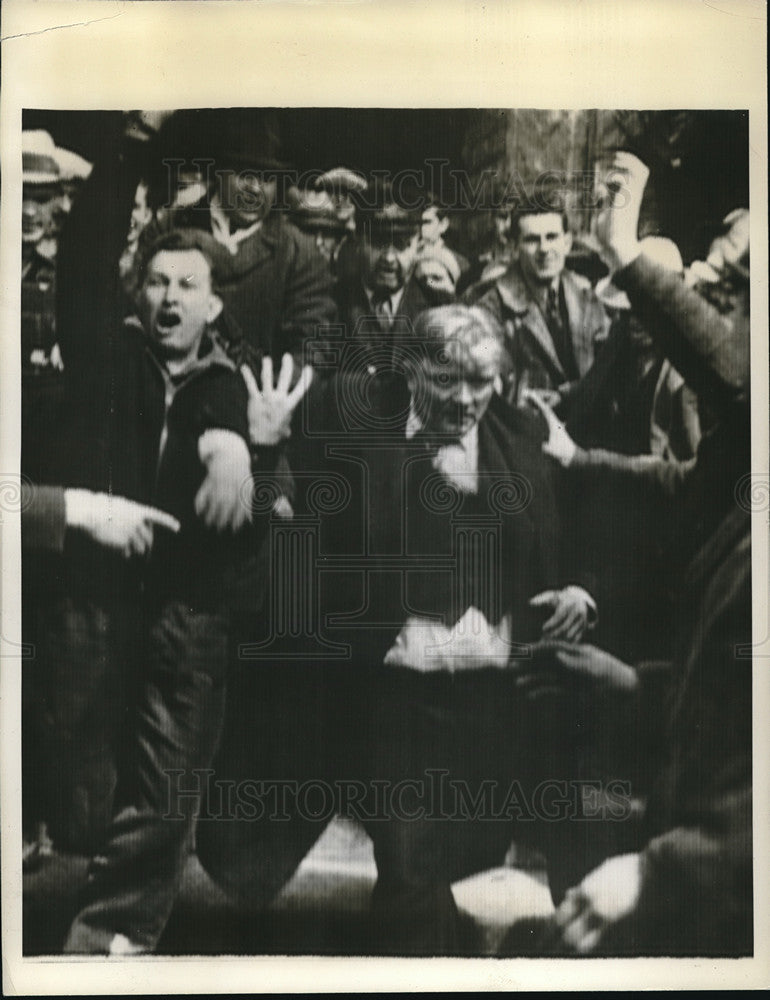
x,y
277,288
410,543
372,341
393,540
534,361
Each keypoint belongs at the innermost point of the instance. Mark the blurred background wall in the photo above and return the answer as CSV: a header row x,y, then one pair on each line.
x,y
699,159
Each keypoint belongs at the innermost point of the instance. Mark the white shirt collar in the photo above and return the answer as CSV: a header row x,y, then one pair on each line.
x,y
457,460
220,227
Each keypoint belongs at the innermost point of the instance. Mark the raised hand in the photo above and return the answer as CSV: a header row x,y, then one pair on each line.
x,y
142,125
115,522
559,445
622,183
270,409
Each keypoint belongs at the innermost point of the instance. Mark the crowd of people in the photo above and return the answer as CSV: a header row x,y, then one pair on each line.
x,y
312,497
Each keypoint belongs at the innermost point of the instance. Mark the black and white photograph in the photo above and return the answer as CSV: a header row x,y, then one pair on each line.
x,y
386,484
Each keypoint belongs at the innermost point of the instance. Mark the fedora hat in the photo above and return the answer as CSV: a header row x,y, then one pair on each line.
x,y
38,158
245,139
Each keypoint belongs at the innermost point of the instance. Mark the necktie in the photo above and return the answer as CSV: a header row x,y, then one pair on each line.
x,y
560,334
383,307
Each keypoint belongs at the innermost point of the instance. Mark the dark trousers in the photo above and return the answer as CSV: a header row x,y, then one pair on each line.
x,y
289,726
404,740
86,655
483,766
174,731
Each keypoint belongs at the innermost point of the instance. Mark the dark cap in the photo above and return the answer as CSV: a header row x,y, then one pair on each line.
x,y
312,210
384,205
241,139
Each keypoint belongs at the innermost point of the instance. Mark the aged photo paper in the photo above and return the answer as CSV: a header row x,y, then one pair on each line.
x,y
384,575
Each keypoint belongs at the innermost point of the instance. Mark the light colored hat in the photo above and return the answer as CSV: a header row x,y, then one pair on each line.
x,y
43,162
72,166
445,257
38,158
342,180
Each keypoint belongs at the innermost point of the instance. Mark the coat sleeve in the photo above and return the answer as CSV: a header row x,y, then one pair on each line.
x,y
663,478
89,295
43,517
701,344
696,893
697,877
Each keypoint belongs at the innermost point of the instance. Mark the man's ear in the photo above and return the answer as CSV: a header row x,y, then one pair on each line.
x,y
443,225
215,308
568,241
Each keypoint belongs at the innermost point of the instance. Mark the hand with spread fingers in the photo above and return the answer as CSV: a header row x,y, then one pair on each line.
x,y
115,522
556,666
559,445
573,611
597,906
271,408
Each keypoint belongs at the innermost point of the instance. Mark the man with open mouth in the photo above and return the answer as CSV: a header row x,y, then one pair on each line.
x,y
160,415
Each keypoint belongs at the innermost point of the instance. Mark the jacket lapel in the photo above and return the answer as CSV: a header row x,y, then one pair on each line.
x,y
413,301
252,252
515,297
580,314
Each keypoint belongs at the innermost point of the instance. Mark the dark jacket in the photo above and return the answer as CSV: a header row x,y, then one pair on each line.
x,y
712,355
534,361
38,304
368,340
408,524
711,351
696,894
131,430
43,517
277,288
42,384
